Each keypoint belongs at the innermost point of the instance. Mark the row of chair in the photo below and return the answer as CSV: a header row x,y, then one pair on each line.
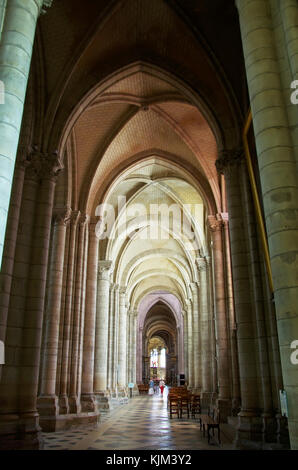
x,y
182,401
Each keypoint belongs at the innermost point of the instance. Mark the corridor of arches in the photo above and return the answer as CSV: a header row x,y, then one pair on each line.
x,y
134,248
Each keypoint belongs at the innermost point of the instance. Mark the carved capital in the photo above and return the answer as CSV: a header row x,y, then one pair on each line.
x,y
228,159
61,216
42,166
105,268
201,264
122,290
83,219
214,223
50,166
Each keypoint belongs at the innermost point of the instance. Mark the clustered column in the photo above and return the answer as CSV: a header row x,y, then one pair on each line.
x,y
196,339
224,396
278,175
122,341
87,397
48,401
205,332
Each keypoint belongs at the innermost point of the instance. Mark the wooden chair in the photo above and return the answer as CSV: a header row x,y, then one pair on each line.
x,y
195,405
211,421
174,405
184,405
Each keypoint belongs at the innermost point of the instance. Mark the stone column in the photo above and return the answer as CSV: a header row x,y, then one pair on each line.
x,y
249,425
111,338
134,348
211,302
115,339
2,14
48,401
129,345
197,381
17,40
224,395
101,333
185,349
232,321
10,247
49,168
205,333
190,345
15,313
74,399
279,181
66,327
88,403
122,340
262,356
83,307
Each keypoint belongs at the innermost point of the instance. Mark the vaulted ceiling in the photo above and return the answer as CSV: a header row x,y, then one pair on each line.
x,y
138,99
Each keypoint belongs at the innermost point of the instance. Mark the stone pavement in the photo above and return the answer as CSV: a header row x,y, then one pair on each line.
x,y
141,424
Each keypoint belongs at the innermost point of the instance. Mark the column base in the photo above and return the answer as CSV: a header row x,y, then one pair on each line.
x,y
236,406
225,409
282,431
206,400
69,421
122,392
63,405
20,432
74,405
102,399
88,403
249,431
47,405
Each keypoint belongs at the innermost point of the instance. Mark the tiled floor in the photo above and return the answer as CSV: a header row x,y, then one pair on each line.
x,y
141,424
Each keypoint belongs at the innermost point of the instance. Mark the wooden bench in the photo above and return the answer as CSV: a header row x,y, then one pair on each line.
x,y
210,421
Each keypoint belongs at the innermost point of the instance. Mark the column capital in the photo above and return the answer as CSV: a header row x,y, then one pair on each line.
x,y
215,223
41,165
105,268
44,5
229,158
83,219
194,287
74,217
201,264
62,215
122,290
208,261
